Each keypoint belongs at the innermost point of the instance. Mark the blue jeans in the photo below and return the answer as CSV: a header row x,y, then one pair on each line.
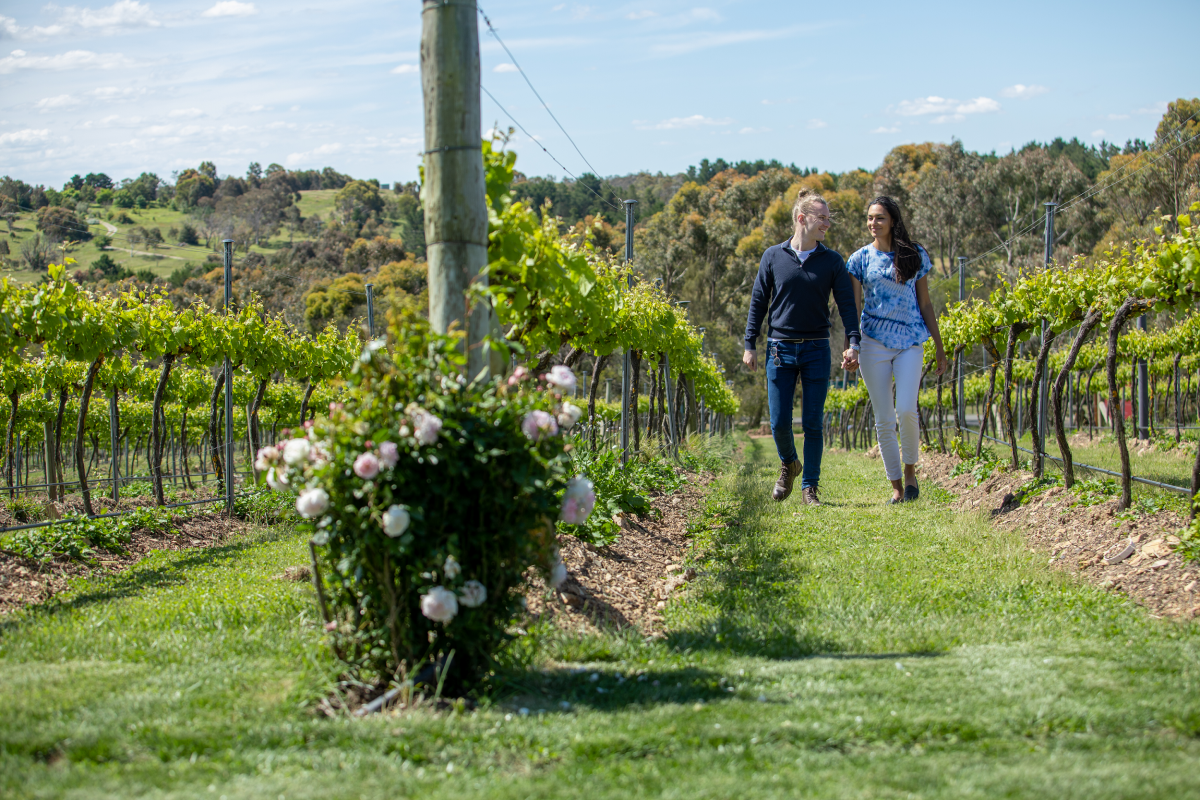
x,y
808,361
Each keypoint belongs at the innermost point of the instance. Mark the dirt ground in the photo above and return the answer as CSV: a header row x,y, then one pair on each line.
x,y
627,584
24,581
1134,557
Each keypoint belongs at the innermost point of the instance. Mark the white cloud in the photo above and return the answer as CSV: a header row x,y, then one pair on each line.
x,y
559,7
27,136
886,130
72,59
674,123
405,69
1117,116
59,101
703,15
324,150
505,68
690,43
640,15
980,105
1156,109
925,105
949,110
1022,92
113,92
1098,134
755,130
9,29
231,8
186,113
122,16
814,124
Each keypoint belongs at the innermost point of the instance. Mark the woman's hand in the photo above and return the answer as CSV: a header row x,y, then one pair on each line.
x,y
850,359
942,363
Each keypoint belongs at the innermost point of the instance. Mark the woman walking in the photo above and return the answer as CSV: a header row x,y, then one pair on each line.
x,y
891,288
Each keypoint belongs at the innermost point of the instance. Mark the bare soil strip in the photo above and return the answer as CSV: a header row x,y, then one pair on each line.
x,y
627,584
24,581
1135,557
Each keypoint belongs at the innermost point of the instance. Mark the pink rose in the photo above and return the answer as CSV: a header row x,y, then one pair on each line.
x,y
389,454
538,423
366,466
578,502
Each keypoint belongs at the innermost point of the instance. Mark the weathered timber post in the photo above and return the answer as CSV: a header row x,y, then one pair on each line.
x,y
456,222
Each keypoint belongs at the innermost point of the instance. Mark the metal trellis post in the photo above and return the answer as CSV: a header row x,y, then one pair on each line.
x,y
627,361
113,435
1143,390
228,244
370,287
961,411
1043,389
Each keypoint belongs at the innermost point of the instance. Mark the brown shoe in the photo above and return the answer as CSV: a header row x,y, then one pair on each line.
x,y
787,476
810,496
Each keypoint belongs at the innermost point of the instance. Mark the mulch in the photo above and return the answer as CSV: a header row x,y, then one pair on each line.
x,y
25,581
625,585
1134,557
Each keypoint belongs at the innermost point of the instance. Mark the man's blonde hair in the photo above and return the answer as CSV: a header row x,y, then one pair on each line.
x,y
805,201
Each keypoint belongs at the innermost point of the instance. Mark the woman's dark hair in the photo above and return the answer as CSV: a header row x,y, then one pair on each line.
x,y
908,257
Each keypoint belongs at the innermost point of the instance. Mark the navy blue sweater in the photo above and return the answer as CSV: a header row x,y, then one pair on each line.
x,y
794,297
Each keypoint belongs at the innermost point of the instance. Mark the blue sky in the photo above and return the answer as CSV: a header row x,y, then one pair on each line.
x,y
655,85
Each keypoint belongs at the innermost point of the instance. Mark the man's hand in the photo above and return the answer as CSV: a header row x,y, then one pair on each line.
x,y
750,359
850,359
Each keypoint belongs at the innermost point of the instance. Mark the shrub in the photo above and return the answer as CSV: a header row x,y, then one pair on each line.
x,y
431,498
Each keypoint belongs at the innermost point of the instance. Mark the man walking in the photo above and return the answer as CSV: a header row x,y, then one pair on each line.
x,y
795,279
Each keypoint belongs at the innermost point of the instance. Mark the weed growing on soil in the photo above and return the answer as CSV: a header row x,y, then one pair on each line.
x,y
1035,486
979,468
261,506
74,537
24,509
1095,491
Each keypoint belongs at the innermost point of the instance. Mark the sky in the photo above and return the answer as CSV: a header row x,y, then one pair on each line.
x,y
655,85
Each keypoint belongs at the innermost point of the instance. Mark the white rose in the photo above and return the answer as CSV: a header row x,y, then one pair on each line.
x,y
296,451
427,427
440,605
395,521
473,594
451,569
562,377
569,415
312,503
266,457
277,480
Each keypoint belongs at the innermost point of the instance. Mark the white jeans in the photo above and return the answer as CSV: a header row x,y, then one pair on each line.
x,y
879,365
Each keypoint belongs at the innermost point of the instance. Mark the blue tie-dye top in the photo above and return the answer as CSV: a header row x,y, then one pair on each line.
x,y
890,313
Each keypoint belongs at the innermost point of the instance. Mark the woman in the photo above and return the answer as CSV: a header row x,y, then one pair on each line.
x,y
891,288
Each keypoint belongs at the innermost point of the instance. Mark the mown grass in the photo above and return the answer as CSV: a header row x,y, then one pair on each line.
x,y
853,650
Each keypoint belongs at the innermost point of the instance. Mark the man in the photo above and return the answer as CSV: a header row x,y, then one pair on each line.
x,y
791,292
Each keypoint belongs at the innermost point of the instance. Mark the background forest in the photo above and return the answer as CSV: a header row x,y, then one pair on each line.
x,y
309,241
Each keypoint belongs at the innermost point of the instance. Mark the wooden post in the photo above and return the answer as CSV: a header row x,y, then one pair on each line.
x,y
453,193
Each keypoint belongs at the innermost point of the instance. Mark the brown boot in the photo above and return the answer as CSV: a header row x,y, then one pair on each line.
x,y
787,476
810,496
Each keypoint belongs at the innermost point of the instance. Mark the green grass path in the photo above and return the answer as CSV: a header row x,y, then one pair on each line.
x,y
850,651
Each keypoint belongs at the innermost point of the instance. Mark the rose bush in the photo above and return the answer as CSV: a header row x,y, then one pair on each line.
x,y
431,498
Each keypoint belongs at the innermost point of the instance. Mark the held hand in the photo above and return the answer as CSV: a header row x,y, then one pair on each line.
x,y
850,359
942,364
750,359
